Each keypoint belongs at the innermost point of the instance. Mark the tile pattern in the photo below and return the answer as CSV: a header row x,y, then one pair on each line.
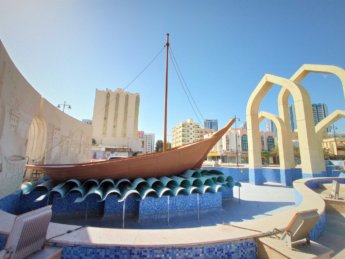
x,y
3,240
28,203
287,176
318,228
236,249
67,206
227,193
10,203
112,206
151,209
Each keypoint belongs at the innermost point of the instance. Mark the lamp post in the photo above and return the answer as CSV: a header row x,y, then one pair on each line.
x,y
64,105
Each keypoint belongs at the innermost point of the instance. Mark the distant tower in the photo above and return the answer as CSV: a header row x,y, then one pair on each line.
x,y
320,111
149,142
271,127
211,124
115,118
293,124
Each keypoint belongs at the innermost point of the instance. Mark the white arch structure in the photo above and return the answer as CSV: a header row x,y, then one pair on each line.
x,y
299,75
284,148
309,136
329,120
308,150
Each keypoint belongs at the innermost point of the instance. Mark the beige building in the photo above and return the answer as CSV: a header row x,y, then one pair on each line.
x,y
188,132
334,146
235,143
115,119
33,130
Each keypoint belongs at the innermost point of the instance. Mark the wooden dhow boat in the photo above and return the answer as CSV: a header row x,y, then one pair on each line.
x,y
166,163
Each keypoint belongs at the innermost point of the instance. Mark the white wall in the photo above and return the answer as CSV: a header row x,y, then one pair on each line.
x,y
20,106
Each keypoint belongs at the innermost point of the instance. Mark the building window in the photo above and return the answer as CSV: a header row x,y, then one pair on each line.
x,y
262,143
244,142
270,143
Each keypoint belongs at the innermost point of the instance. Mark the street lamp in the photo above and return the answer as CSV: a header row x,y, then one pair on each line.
x,y
64,105
236,139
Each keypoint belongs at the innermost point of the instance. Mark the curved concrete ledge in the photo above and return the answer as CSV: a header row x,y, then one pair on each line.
x,y
69,235
306,199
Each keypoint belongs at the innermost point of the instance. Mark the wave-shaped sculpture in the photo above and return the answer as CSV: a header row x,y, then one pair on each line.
x,y
191,181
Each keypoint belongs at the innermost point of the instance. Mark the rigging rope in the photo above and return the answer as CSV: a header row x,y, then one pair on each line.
x,y
76,131
186,90
142,71
184,85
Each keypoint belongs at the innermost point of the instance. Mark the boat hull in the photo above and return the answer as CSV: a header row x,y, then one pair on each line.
x,y
157,164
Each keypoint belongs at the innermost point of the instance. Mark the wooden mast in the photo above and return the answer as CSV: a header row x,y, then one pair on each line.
x,y
166,95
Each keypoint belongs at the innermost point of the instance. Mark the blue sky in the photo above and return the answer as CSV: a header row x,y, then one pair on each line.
x,y
67,49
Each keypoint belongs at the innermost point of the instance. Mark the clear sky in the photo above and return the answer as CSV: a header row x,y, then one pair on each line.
x,y
67,49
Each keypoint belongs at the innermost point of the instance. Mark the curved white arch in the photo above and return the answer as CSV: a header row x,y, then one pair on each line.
x,y
299,75
329,120
284,145
309,149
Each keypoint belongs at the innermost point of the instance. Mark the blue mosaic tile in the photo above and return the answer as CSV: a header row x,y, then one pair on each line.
x,y
3,240
318,228
10,203
227,193
27,202
152,209
255,176
67,206
236,249
112,206
320,225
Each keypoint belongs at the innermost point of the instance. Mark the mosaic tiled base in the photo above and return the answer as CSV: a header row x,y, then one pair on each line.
x,y
114,208
27,202
227,193
318,228
3,240
237,249
11,203
160,208
287,176
67,206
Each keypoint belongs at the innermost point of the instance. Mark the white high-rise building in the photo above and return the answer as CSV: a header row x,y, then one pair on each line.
x,y
115,119
271,127
188,132
320,111
149,142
